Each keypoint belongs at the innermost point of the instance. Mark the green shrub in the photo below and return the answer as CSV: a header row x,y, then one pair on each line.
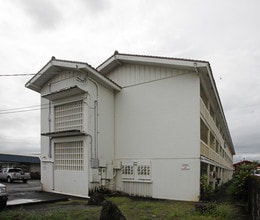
x,y
206,190
240,180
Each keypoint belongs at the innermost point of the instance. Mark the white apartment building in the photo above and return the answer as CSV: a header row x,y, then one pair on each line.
x,y
144,125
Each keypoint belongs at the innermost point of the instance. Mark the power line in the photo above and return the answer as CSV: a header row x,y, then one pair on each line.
x,y
23,109
13,109
17,74
28,110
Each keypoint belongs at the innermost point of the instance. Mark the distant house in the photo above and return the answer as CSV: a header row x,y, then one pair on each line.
x,y
246,162
144,125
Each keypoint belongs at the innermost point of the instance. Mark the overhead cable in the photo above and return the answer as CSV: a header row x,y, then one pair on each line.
x,y
17,74
23,109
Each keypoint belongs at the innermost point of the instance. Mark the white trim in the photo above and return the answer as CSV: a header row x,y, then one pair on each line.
x,y
149,60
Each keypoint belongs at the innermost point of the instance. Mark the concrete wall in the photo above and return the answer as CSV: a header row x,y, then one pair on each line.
x,y
158,120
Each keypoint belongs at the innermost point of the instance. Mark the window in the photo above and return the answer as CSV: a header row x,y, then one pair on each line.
x,y
203,132
140,170
143,171
69,156
68,116
128,170
212,141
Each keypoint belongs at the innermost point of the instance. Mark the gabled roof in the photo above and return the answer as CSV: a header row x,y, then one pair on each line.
x,y
200,67
118,59
55,66
243,162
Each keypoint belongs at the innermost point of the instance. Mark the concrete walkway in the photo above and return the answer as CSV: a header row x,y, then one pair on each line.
x,y
20,193
25,198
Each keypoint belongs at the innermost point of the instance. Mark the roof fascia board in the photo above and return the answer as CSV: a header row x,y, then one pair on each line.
x,y
117,59
70,65
99,77
67,64
220,105
106,63
158,60
33,87
30,84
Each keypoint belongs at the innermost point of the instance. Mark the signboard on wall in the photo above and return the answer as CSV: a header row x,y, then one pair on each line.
x,y
185,167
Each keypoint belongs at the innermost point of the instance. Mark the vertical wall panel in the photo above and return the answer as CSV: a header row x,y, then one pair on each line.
x,y
132,74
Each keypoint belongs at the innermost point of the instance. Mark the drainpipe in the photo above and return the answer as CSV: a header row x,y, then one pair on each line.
x,y
95,120
95,136
50,138
96,129
49,121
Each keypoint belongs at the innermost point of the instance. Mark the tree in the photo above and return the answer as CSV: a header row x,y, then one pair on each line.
x,y
240,180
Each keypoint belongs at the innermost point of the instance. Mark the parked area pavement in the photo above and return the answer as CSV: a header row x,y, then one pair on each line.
x,y
20,193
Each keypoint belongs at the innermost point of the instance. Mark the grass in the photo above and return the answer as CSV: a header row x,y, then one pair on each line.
x,y
132,208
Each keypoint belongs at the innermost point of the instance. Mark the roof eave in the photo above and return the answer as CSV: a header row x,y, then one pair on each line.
x,y
33,87
213,83
31,84
117,60
97,76
62,64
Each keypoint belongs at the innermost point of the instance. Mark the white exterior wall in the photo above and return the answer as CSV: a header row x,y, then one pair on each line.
x,y
106,125
106,136
158,120
78,182
143,140
46,160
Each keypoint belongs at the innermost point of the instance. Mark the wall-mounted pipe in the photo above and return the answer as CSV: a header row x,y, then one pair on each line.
x,y
95,138
49,124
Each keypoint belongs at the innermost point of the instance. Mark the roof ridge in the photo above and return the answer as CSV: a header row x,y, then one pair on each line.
x,y
152,56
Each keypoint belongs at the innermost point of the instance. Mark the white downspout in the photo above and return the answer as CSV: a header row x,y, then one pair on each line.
x,y
95,138
49,124
95,119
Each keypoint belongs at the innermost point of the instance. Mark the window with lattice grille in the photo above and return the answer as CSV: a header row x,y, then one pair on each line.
x,y
68,116
143,170
128,170
69,156
140,170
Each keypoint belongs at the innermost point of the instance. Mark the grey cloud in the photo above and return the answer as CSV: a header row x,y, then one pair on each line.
x,y
246,156
97,5
18,145
95,28
247,142
44,14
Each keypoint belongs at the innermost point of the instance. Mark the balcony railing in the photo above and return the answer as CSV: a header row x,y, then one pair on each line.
x,y
206,115
209,153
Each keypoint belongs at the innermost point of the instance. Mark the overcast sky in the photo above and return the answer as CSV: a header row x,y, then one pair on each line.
x,y
225,33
